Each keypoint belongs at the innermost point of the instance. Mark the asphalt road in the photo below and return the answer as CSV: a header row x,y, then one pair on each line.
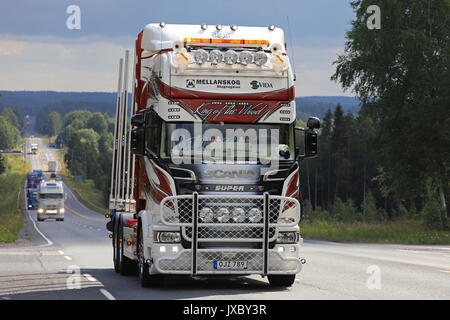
x,y
73,260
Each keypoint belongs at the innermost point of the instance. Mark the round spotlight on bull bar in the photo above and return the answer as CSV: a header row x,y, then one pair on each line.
x,y
200,56
238,215
206,215
245,57
255,215
230,57
215,57
223,215
260,58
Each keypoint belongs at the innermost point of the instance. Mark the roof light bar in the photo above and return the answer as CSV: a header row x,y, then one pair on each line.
x,y
227,41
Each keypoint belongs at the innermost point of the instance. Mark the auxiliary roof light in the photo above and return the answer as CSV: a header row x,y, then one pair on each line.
x,y
215,56
260,58
219,27
162,24
230,57
245,57
271,27
234,27
200,56
204,26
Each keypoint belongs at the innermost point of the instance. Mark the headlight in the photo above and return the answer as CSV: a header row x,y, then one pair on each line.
x,y
230,57
288,237
167,237
238,215
40,210
206,215
223,215
200,56
254,215
61,210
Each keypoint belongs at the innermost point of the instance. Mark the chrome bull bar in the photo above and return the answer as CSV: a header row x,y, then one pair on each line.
x,y
275,211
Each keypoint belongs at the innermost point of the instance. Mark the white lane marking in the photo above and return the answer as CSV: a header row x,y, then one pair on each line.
x,y
108,295
68,258
61,252
49,243
89,277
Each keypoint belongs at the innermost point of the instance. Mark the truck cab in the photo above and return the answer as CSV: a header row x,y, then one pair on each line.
x,y
215,175
51,201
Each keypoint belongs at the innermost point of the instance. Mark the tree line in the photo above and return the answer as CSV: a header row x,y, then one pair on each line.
x,y
88,138
11,125
396,153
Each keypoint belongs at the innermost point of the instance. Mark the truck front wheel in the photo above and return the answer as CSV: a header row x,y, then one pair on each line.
x,y
126,265
281,280
145,278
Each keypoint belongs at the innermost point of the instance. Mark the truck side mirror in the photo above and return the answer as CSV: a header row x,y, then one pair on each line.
x,y
313,123
137,120
138,141
310,143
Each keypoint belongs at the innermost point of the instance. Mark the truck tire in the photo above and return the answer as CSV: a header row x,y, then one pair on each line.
x,y
281,280
39,219
115,243
145,278
127,267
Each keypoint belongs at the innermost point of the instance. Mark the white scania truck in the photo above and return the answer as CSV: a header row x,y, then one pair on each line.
x,y
51,201
205,172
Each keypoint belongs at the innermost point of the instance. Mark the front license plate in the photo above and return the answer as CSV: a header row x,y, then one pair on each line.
x,y
230,265
52,211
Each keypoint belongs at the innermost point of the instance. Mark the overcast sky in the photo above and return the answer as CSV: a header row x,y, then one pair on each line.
x,y
39,52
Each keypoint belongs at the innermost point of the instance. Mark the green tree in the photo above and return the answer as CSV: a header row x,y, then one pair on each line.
x,y
97,122
2,164
14,116
9,135
53,124
401,74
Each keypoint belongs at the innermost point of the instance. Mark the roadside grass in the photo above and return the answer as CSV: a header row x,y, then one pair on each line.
x,y
47,140
402,232
11,191
85,189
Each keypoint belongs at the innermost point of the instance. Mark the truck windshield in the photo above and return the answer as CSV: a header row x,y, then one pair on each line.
x,y
50,196
229,141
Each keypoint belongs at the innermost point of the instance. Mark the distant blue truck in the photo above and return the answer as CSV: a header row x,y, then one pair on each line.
x,y
32,198
33,180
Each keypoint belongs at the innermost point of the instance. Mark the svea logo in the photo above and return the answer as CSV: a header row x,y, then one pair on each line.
x,y
258,84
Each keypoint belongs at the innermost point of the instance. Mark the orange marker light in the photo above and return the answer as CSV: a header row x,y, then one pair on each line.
x,y
184,56
227,41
